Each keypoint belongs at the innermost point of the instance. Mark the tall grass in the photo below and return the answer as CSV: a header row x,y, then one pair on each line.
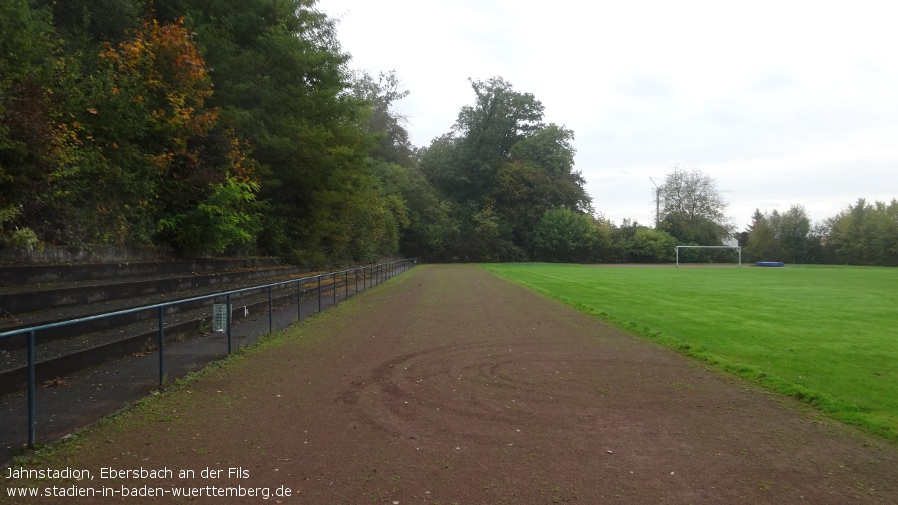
x,y
825,335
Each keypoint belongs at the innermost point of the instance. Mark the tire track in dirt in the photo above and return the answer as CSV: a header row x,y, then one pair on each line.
x,y
606,414
450,385
484,390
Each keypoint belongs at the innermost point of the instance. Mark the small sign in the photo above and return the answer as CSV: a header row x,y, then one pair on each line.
x,y
220,315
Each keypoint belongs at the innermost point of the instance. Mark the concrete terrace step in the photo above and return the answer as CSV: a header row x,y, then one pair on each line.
x,y
65,400
65,294
59,314
15,303
20,276
117,288
60,357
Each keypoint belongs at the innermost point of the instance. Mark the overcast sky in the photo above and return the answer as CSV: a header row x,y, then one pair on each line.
x,y
781,102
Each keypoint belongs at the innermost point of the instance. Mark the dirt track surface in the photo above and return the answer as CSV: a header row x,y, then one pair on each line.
x,y
450,385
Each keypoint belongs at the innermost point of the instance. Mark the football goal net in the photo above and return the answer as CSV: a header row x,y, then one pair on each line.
x,y
695,254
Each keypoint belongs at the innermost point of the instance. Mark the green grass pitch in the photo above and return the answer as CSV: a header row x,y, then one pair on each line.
x,y
825,335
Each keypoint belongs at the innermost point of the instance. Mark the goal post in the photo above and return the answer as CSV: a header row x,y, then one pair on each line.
x,y
736,247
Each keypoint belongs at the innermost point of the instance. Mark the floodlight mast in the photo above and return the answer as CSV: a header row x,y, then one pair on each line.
x,y
657,204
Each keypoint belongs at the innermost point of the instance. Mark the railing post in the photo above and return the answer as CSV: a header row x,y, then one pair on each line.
x,y
371,275
299,300
161,346
228,323
31,388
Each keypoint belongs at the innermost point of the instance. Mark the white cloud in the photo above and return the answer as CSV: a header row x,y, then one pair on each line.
x,y
782,102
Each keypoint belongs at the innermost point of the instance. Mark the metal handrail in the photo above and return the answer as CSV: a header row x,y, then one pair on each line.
x,y
160,307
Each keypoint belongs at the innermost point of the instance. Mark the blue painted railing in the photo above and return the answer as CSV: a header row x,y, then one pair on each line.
x,y
376,273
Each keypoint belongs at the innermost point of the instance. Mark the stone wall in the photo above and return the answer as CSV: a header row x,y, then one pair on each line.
x,y
80,255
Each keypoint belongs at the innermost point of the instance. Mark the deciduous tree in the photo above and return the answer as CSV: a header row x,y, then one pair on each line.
x,y
651,246
692,208
865,234
564,235
144,139
30,134
504,167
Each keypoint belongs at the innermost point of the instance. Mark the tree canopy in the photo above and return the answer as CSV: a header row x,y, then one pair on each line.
x,y
503,169
237,126
692,208
864,234
139,150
